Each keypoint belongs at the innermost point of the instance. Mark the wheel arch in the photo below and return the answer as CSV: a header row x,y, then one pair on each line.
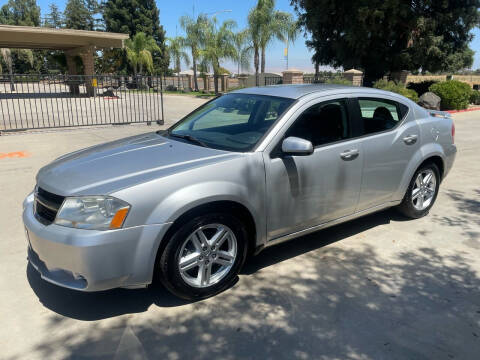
x,y
438,161
428,153
230,206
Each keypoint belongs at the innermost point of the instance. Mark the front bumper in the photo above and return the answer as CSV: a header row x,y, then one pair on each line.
x,y
90,260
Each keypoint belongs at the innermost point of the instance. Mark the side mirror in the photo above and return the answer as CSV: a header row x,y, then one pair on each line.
x,y
296,146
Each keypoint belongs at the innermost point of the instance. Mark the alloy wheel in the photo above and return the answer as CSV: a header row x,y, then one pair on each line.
x,y
423,190
207,255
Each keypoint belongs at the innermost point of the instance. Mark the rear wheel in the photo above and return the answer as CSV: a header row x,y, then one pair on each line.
x,y
204,256
422,192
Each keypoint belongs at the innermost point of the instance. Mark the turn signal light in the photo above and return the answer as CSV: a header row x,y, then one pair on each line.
x,y
118,219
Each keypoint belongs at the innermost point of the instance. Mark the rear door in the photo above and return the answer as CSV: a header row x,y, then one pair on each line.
x,y
390,137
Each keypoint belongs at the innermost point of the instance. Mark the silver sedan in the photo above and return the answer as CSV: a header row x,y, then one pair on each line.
x,y
244,171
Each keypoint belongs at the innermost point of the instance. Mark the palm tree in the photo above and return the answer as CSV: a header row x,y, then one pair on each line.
x,y
293,30
243,50
266,24
255,21
194,39
275,27
219,45
175,49
139,52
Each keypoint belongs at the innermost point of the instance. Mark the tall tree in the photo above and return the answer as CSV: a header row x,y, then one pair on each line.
x,y
293,29
20,12
255,20
177,53
54,18
243,51
77,15
275,26
23,13
266,24
26,55
381,36
139,51
194,38
7,59
134,16
94,8
219,45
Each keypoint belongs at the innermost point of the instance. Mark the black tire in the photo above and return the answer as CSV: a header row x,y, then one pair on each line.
x,y
406,206
167,262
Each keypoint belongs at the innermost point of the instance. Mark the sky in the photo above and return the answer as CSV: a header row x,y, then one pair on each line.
x,y
299,54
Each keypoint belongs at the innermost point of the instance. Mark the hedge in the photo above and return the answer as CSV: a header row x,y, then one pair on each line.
x,y
455,94
475,97
396,88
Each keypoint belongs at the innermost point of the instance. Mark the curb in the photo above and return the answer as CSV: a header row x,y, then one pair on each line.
x,y
460,111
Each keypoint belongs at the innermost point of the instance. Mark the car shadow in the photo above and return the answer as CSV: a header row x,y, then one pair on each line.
x,y
105,304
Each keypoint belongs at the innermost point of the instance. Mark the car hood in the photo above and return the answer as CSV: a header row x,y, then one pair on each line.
x,y
106,168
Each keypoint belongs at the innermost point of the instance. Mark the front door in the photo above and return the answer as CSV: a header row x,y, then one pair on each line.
x,y
304,191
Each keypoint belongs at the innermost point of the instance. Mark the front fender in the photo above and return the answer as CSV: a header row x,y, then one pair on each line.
x,y
423,153
194,195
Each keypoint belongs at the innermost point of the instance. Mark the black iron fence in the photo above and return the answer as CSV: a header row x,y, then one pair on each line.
x,y
273,80
321,78
35,101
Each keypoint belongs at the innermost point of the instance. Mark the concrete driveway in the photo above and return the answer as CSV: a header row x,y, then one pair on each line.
x,y
379,287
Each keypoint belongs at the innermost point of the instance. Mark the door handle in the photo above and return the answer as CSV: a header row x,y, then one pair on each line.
x,y
410,139
349,154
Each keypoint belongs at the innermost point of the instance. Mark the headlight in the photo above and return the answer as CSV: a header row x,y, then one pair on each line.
x,y
30,197
92,212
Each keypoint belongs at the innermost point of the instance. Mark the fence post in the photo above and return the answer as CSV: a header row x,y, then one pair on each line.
x,y
400,76
242,80
355,76
223,82
292,76
206,82
190,82
89,70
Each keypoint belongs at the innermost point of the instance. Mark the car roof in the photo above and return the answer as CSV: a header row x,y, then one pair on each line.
x,y
296,91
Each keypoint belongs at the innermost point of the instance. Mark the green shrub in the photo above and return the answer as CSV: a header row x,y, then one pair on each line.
x,y
475,97
455,94
421,87
396,88
339,81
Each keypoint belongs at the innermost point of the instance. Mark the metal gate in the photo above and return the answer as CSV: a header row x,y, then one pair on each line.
x,y
32,101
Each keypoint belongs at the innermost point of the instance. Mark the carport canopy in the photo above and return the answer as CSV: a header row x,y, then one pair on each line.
x,y
27,37
74,43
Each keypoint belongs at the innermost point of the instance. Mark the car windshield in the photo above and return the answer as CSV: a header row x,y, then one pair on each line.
x,y
234,122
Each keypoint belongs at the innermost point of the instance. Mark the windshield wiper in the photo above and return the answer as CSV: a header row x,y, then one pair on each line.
x,y
189,138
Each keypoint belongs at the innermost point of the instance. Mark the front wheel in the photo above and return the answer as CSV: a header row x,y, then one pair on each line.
x,y
422,192
204,256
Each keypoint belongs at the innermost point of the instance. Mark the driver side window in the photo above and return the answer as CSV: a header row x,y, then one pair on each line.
x,y
323,123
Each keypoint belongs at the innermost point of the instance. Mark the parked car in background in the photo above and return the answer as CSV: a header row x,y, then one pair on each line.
x,y
244,171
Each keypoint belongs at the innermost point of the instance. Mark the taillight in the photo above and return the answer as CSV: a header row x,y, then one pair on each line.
x,y
453,132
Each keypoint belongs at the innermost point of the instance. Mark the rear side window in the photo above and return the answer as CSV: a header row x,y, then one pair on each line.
x,y
380,114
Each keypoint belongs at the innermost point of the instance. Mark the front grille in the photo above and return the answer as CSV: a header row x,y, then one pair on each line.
x,y
46,206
